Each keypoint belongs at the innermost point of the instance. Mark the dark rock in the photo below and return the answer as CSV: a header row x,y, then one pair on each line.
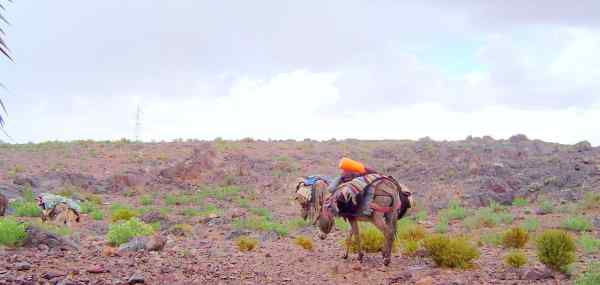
x,y
129,179
518,138
236,234
37,237
537,274
97,270
152,216
23,266
51,275
136,279
24,181
135,244
156,243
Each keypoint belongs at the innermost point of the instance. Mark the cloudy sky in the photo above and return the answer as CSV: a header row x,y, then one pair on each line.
x,y
303,69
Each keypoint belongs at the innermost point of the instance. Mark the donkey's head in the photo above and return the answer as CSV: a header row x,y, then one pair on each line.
x,y
326,219
310,198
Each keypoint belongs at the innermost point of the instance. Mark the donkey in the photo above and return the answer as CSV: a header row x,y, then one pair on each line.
x,y
390,203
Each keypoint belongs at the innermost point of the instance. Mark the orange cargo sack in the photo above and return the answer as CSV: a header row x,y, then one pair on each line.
x,y
350,165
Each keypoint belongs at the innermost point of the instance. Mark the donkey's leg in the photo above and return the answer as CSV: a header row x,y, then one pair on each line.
x,y
356,230
379,222
349,239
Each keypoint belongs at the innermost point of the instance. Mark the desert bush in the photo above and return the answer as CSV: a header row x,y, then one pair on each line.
x,y
26,209
496,207
304,242
410,247
441,226
555,249
491,238
97,215
263,212
342,224
246,243
515,259
577,223
411,232
88,207
455,211
123,231
190,212
372,240
591,200
545,207
297,223
261,224
421,215
488,217
12,233
122,214
520,202
146,200
227,193
93,199
591,276
28,194
588,243
453,252
530,224
59,230
515,238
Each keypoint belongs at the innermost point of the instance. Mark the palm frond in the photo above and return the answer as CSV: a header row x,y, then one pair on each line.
x,y
6,52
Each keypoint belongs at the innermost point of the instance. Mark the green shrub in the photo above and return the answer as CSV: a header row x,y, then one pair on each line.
x,y
28,194
410,247
53,228
496,207
515,238
146,200
530,224
342,224
304,242
26,209
591,200
190,212
122,214
455,211
520,202
181,229
297,223
263,212
93,198
227,193
372,240
555,249
455,252
421,215
97,215
591,276
246,243
546,207
88,207
588,243
515,259
12,233
123,231
488,217
411,232
441,227
577,223
261,224
491,238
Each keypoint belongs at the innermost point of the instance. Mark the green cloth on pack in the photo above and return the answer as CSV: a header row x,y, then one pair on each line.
x,y
51,200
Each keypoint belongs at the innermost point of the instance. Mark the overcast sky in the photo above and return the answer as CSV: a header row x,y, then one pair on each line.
x,y
302,69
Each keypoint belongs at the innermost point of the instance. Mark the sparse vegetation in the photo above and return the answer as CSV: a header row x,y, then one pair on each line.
x,y
372,240
530,224
304,242
123,231
246,243
590,201
441,226
342,224
491,238
453,252
515,238
545,207
97,215
261,224
576,223
588,243
455,211
488,217
515,259
555,249
122,213
520,202
146,200
591,276
12,232
26,209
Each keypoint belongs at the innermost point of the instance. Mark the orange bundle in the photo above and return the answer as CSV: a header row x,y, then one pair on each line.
x,y
353,166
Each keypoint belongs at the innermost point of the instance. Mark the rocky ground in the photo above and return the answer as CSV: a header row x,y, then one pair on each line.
x,y
262,173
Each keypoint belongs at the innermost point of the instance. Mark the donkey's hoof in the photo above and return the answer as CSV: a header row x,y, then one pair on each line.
x,y
345,256
360,256
387,261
